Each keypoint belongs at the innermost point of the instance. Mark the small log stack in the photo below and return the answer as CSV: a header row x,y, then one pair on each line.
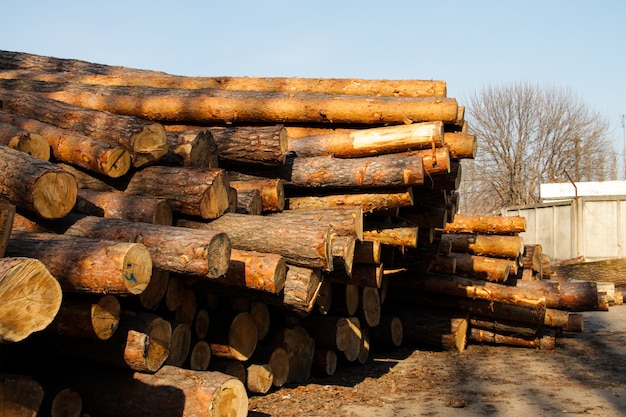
x,y
194,244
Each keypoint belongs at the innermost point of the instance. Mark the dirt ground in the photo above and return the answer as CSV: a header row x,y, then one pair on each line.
x,y
584,375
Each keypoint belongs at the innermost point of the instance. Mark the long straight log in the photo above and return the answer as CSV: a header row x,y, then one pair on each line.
x,y
31,298
24,141
434,328
545,342
481,267
345,221
301,243
144,140
487,224
86,264
36,185
255,270
391,234
199,192
223,106
497,246
369,201
369,142
75,148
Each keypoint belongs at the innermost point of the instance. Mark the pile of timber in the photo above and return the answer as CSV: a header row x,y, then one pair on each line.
x,y
200,239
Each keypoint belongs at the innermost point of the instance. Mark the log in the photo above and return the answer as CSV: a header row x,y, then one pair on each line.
x,y
580,296
309,247
47,68
462,145
278,360
367,252
481,267
342,248
503,327
76,149
180,344
272,192
179,250
370,306
200,356
391,234
7,213
301,288
544,342
300,347
233,338
363,275
85,264
496,246
324,362
369,142
532,257
434,329
395,170
144,140
324,298
255,270
345,299
67,403
199,192
257,145
342,334
487,224
369,201
345,221
249,202
86,179
213,106
21,395
229,367
424,216
364,347
134,208
83,317
175,292
24,141
195,149
152,296
35,185
31,298
259,378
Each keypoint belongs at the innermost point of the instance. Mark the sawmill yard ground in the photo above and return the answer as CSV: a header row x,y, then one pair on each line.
x,y
584,375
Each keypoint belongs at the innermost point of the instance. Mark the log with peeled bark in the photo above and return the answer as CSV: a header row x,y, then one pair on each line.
x,y
301,243
180,344
85,264
144,140
496,246
85,317
300,347
75,148
7,214
272,191
230,106
199,192
135,208
434,328
36,185
48,68
369,142
487,224
461,145
544,341
249,202
345,221
391,234
481,267
369,201
24,141
232,336
21,395
195,149
31,298
180,250
278,360
259,378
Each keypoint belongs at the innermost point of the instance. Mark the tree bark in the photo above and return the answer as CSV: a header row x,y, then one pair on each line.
x,y
35,185
461,145
496,246
272,192
255,270
31,298
195,149
256,145
391,234
144,140
249,202
7,214
481,267
174,249
487,225
24,141
345,221
230,106
301,243
134,208
83,317
301,288
342,248
87,265
369,201
76,149
20,395
370,142
199,192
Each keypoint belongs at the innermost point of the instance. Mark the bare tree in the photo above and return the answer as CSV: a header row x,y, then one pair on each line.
x,y
530,135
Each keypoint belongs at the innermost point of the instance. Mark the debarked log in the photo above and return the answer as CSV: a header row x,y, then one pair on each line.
x,y
370,200
487,224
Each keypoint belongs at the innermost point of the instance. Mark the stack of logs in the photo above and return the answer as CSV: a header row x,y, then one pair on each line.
x,y
171,244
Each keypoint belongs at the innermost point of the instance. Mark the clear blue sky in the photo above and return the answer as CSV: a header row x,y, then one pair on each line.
x,y
579,45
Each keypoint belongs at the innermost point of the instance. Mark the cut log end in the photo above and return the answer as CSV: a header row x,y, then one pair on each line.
x,y
149,145
116,162
243,336
105,316
32,144
137,268
215,200
67,403
218,255
54,194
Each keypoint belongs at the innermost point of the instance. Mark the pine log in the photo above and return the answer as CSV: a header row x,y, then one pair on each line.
x,y
502,326
436,161
47,68
369,142
487,225
35,185
278,360
130,207
424,216
76,149
367,252
324,298
224,106
300,347
370,306
324,362
180,250
497,246
259,378
85,264
7,214
195,149
174,294
255,270
249,202
581,296
481,267
199,192
257,145
301,243
144,140
31,298
180,344
20,395
342,248
87,179
200,356
24,141
544,342
272,192
301,288
347,221
66,403
229,367
391,234
342,334
434,329
233,337
443,265
461,145
389,333
395,170
369,201
83,317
